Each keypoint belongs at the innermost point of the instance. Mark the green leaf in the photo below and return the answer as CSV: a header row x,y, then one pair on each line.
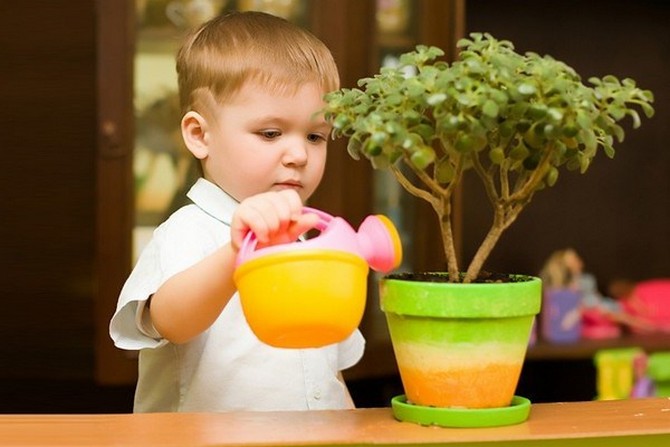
x,y
555,114
423,157
465,143
618,132
506,129
412,141
570,130
499,96
537,111
463,43
371,149
436,98
395,99
425,131
380,162
497,155
588,138
341,122
444,171
583,120
354,148
552,176
378,138
636,118
526,89
616,111
584,163
519,152
609,150
647,109
490,109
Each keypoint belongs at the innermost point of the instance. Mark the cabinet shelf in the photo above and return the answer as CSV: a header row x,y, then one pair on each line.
x,y
379,360
584,349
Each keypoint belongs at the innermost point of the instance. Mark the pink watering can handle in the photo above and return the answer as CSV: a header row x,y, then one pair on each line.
x,y
250,241
377,240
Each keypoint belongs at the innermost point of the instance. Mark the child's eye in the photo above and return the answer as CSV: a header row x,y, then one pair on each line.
x,y
270,134
315,138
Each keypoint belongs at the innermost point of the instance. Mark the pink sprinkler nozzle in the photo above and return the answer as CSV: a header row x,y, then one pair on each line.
x,y
379,243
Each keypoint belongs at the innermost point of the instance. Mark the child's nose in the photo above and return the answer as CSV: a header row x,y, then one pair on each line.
x,y
295,153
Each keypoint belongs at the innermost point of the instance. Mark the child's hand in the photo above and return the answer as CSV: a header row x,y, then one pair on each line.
x,y
274,217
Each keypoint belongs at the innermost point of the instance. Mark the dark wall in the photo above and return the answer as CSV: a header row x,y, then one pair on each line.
x,y
47,229
617,215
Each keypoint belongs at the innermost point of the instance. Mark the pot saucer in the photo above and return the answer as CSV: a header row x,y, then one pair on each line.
x,y
515,413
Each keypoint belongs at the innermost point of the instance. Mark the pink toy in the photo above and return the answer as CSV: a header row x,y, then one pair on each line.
x,y
376,241
650,302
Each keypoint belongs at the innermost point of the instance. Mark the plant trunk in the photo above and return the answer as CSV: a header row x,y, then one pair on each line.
x,y
505,215
446,231
484,250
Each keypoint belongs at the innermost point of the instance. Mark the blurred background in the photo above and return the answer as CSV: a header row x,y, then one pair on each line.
x,y
93,161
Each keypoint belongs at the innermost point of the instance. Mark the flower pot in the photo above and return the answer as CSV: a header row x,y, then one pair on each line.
x,y
460,345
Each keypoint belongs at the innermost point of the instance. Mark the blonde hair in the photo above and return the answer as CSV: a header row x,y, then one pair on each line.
x,y
222,55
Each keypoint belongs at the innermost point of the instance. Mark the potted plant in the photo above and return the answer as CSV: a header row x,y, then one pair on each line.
x,y
514,120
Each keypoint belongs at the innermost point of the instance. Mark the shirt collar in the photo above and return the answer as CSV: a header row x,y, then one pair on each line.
x,y
213,200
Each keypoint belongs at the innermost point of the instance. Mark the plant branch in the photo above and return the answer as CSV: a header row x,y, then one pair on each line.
x,y
412,188
433,186
536,177
489,184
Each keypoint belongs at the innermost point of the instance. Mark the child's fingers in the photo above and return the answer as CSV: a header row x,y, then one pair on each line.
x,y
285,206
302,224
269,216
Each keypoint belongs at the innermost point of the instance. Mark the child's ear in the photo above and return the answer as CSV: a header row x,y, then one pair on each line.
x,y
194,130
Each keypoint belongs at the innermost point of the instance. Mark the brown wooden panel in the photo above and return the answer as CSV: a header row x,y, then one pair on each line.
x,y
47,139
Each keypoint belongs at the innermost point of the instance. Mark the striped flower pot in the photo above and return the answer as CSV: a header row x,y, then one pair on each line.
x,y
460,345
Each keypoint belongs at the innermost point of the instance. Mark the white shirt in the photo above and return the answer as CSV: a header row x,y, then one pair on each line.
x,y
225,368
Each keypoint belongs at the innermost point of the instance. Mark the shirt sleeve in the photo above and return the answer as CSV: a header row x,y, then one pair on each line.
x,y
125,326
175,246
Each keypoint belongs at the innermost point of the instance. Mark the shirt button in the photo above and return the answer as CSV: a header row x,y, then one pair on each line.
x,y
317,394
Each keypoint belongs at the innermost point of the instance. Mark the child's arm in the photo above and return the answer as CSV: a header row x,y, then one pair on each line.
x,y
190,301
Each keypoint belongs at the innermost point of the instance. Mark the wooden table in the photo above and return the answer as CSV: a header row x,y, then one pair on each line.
x,y
631,423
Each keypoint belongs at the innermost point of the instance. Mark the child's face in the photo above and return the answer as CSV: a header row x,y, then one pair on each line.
x,y
263,141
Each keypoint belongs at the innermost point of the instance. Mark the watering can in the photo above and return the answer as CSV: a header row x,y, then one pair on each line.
x,y
312,293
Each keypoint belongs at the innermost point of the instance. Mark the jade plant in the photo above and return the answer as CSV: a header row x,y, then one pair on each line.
x,y
513,119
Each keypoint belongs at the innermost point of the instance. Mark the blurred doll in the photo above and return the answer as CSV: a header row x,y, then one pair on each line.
x,y
599,315
565,270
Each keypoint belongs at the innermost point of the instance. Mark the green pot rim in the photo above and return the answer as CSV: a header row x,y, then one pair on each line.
x,y
456,300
